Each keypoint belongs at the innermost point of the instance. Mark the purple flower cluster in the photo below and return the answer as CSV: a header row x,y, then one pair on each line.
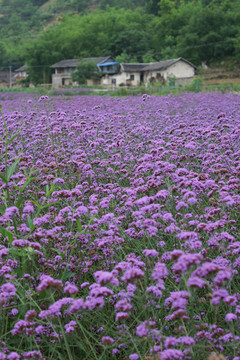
x,y
119,227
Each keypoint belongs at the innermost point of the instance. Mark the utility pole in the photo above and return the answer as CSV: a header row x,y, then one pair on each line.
x,y
10,76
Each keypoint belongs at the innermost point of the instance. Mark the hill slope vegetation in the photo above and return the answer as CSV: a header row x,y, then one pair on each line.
x,y
39,33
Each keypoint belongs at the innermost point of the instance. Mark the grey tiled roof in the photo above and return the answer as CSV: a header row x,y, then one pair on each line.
x,y
131,67
66,63
73,62
161,65
22,68
100,60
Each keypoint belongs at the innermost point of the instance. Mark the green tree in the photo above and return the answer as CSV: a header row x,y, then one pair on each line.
x,y
207,36
84,71
125,58
152,7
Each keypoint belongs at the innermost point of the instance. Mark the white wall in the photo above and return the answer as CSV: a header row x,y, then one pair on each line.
x,y
56,81
180,70
122,79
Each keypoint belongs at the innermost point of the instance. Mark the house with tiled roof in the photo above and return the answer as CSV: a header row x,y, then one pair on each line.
x,y
20,73
178,70
64,68
4,79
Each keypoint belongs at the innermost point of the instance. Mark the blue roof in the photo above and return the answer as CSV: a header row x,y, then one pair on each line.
x,y
108,63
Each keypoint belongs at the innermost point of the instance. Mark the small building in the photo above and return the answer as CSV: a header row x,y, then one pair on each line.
x,y
109,68
62,69
128,75
173,71
20,73
178,71
4,79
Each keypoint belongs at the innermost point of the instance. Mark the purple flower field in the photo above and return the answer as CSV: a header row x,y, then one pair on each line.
x,y
119,227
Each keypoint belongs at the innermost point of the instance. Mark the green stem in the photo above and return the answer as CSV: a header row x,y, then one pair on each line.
x,y
65,340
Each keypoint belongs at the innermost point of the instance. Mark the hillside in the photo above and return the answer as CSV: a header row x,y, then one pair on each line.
x,y
25,17
223,73
39,32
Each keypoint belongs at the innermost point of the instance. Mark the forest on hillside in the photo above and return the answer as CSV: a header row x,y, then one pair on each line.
x,y
40,33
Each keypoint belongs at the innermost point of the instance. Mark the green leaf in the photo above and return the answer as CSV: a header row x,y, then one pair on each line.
x,y
26,183
66,275
19,202
3,178
30,224
92,218
42,295
25,173
58,252
49,192
19,272
11,170
7,233
16,252
2,209
89,223
12,138
36,203
79,225
47,205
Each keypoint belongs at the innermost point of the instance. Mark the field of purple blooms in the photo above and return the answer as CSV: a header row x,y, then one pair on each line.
x,y
119,227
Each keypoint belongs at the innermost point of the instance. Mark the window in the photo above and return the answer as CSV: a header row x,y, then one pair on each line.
x,y
114,81
131,77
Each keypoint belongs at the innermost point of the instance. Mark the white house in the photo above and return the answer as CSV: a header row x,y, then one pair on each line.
x,y
128,75
63,69
20,73
179,71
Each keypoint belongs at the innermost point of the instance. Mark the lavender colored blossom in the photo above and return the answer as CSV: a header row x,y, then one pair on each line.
x,y
230,317
48,281
150,252
132,274
142,330
195,281
172,354
70,289
134,356
107,340
121,316
132,207
13,356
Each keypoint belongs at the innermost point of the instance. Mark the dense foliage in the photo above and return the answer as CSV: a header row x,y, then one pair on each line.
x,y
119,223
86,70
199,30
